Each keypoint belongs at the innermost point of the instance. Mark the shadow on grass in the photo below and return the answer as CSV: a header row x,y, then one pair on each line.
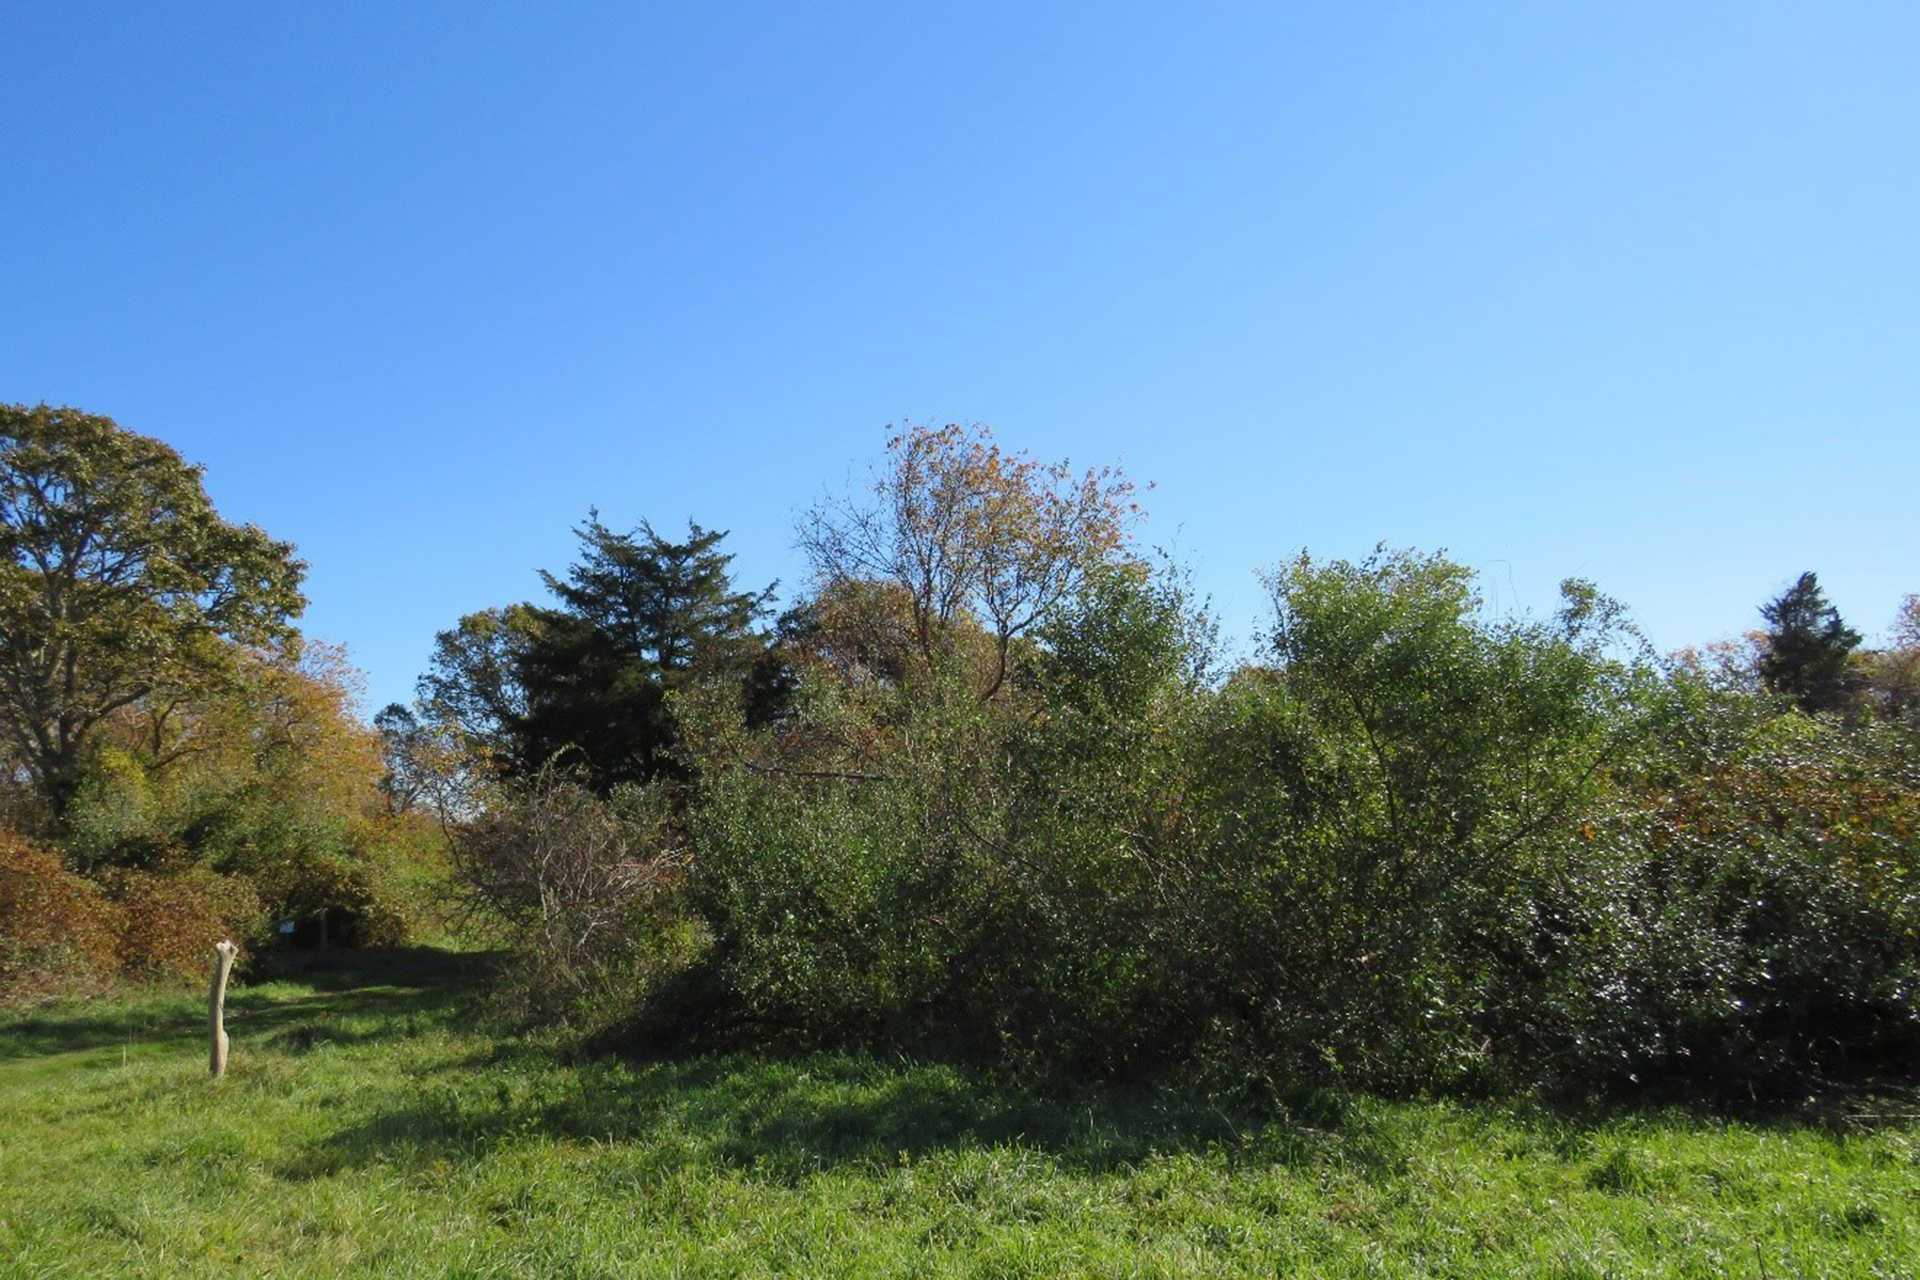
x,y
786,1119
407,985
782,1118
791,1118
74,1028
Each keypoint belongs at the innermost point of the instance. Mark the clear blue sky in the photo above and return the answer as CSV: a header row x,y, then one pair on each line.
x,y
1623,290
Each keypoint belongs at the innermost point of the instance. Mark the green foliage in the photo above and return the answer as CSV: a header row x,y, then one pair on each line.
x,y
669,605
118,582
982,792
639,616
1765,920
198,764
1387,801
1422,848
1123,642
414,759
1806,647
473,693
1102,896
265,777
911,863
843,902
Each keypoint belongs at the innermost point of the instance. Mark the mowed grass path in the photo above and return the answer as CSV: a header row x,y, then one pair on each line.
x,y
372,1125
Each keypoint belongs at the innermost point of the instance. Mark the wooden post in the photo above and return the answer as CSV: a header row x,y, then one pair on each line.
x,y
217,1006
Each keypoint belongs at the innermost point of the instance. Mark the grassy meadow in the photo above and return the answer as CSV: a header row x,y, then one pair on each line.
x,y
373,1124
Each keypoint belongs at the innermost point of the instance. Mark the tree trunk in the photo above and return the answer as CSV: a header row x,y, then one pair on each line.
x,y
217,1007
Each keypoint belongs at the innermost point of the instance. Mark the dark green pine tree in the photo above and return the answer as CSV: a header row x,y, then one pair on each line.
x,y
1807,647
638,615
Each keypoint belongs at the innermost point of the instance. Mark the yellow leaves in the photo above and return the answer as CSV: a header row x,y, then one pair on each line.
x,y
280,721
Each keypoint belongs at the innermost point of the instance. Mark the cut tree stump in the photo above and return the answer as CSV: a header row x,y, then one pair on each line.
x,y
217,1007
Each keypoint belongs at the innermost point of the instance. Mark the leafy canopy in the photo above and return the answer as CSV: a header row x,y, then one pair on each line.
x,y
117,579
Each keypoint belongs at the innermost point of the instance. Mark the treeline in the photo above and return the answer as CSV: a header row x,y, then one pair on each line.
x,y
981,788
984,790
177,765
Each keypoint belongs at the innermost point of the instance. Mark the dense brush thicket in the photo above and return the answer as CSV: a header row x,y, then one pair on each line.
x,y
1419,848
1004,806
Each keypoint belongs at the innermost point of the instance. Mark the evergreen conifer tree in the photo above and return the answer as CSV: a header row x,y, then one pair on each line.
x,y
639,615
1807,647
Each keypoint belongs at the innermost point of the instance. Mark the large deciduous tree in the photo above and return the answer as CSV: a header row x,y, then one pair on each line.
x,y
118,579
473,690
967,533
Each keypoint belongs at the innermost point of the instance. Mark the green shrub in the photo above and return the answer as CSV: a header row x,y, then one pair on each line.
x,y
1420,848
1383,801
843,902
1762,923
907,861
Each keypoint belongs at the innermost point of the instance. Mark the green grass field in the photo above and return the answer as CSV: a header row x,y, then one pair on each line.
x,y
372,1125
